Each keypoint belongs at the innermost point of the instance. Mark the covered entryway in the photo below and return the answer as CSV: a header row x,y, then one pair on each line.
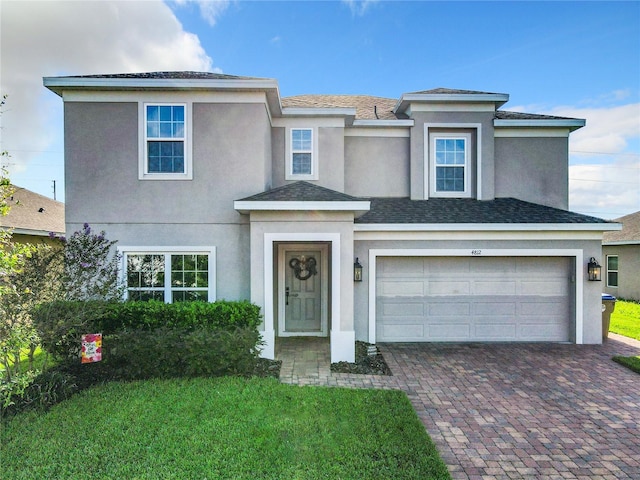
x,y
474,298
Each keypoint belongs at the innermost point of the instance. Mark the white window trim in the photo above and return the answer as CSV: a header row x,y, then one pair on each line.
x,y
477,171
143,173
617,271
466,193
289,175
123,252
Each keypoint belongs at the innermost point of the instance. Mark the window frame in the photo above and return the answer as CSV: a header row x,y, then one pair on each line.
x,y
143,159
433,139
167,288
616,271
289,175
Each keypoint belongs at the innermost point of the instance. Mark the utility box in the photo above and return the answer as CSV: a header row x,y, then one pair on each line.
x,y
608,306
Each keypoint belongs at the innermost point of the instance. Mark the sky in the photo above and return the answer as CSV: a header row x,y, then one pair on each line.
x,y
575,59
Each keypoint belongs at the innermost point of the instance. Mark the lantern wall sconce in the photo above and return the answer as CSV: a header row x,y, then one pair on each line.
x,y
594,270
357,271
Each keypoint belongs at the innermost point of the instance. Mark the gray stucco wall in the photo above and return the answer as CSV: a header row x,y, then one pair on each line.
x,y
377,167
628,271
592,317
330,157
533,169
231,154
231,148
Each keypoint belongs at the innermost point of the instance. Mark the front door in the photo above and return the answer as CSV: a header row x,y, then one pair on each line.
x,y
302,290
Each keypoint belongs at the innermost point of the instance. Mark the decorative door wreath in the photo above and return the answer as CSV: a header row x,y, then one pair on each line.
x,y
303,267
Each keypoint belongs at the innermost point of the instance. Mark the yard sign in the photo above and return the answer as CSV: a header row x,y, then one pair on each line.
x,y
91,347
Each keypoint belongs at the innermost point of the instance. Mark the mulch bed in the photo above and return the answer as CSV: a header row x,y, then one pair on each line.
x,y
365,364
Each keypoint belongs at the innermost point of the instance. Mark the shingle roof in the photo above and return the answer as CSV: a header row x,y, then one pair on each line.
x,y
504,115
452,91
31,211
300,192
463,210
630,230
366,106
182,75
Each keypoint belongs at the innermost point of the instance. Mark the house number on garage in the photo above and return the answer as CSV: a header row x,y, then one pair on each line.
x,y
476,253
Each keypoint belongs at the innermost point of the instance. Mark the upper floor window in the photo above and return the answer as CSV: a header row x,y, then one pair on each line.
x,y
302,161
612,270
450,165
165,149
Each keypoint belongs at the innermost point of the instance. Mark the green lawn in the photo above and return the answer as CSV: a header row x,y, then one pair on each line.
x,y
625,319
221,428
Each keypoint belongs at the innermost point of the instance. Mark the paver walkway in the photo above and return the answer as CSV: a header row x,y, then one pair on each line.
x,y
507,411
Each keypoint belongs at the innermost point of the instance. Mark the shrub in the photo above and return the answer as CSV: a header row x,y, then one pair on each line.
x,y
41,392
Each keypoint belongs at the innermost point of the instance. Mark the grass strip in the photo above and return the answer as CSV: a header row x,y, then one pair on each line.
x,y
227,427
632,363
625,319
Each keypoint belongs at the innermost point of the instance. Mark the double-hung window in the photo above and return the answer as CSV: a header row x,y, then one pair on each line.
x,y
302,155
612,270
451,165
165,149
173,276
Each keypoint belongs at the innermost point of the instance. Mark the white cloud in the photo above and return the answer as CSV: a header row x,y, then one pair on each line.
x,y
608,130
210,10
69,38
359,7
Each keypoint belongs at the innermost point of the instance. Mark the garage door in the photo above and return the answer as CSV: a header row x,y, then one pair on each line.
x,y
473,299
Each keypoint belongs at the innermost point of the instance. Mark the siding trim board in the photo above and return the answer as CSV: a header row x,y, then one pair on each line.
x,y
576,254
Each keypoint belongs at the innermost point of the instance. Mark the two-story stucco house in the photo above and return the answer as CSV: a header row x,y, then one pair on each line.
x,y
217,187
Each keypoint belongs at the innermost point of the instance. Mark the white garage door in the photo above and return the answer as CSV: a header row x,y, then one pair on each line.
x,y
485,299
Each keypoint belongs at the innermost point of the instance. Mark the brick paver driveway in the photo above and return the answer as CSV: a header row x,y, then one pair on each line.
x,y
525,410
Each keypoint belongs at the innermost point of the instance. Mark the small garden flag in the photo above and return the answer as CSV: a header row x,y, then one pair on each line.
x,y
91,347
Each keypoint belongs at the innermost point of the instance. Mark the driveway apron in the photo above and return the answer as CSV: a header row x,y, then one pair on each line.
x,y
513,411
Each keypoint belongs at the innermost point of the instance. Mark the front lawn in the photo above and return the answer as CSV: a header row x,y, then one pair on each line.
x,y
221,428
625,319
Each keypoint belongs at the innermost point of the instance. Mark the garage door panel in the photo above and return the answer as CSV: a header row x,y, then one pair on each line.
x,y
448,309
404,289
405,308
449,287
496,332
474,299
558,288
404,332
495,308
485,287
449,332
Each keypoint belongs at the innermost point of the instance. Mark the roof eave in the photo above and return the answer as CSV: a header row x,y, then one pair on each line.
x,y
495,227
247,206
498,99
570,123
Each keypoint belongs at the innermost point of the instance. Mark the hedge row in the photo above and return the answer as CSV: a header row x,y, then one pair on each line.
x,y
60,324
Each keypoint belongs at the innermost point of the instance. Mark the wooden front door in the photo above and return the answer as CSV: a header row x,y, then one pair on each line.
x,y
302,290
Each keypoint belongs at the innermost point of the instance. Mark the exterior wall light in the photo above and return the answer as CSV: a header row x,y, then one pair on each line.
x,y
357,271
594,270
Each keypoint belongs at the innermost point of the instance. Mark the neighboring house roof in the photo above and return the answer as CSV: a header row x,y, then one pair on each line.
x,y
467,210
630,233
33,214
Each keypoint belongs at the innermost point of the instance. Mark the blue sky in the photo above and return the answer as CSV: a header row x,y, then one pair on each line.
x,y
579,59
